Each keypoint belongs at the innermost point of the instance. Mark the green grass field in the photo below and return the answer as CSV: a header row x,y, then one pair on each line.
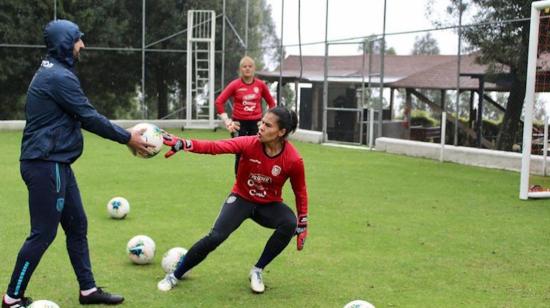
x,y
392,230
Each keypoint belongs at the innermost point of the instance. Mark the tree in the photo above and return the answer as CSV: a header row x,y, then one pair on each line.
x,y
108,78
19,23
373,44
505,43
425,45
105,76
112,79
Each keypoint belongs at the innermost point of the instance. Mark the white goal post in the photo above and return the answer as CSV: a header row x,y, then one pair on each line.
x,y
536,8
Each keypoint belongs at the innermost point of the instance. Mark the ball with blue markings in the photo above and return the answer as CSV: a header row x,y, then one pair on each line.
x,y
151,134
141,249
118,208
172,258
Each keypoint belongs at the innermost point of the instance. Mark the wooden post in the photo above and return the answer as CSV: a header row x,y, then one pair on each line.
x,y
391,103
479,122
408,110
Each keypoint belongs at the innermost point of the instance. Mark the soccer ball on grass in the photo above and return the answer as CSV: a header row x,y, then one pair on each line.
x,y
172,258
43,304
141,249
359,304
118,207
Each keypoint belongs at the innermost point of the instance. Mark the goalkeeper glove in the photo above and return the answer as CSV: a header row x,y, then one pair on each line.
x,y
176,144
301,231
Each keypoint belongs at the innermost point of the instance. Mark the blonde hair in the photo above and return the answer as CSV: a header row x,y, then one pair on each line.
x,y
243,59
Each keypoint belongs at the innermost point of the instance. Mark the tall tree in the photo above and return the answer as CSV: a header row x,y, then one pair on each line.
x,y
112,79
425,45
20,23
107,77
506,43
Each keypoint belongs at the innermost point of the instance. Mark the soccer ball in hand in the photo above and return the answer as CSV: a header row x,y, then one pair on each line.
x,y
172,258
141,249
118,207
43,304
359,304
152,135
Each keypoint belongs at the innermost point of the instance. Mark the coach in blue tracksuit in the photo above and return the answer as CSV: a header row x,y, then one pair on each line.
x,y
56,110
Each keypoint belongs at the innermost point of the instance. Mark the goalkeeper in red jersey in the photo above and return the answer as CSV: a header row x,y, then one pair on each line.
x,y
247,92
267,161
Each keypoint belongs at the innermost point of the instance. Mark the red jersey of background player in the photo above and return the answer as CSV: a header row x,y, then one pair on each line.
x,y
260,178
247,99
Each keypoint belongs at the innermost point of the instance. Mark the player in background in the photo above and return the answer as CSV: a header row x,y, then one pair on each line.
x,y
267,161
247,92
55,111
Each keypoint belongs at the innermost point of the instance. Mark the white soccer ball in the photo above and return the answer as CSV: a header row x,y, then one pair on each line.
x,y
118,207
172,258
141,249
43,304
359,304
153,135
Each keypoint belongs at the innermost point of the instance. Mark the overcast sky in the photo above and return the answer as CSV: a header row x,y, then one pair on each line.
x,y
356,18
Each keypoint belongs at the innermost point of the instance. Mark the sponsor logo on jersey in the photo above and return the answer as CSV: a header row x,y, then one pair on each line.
x,y
249,97
249,108
255,182
248,103
260,194
276,170
260,178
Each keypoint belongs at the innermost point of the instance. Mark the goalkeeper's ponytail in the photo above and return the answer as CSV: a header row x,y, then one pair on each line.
x,y
288,119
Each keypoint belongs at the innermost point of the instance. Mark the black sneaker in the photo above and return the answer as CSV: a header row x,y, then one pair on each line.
x,y
22,303
100,297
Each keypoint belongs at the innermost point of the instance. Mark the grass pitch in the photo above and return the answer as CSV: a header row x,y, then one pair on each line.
x,y
392,230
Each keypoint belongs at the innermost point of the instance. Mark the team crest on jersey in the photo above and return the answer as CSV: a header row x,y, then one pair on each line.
x,y
256,90
276,170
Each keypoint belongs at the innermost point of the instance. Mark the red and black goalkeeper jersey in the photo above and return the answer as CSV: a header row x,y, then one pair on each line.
x,y
247,99
260,178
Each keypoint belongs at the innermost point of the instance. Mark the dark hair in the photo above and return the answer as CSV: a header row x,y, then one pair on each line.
x,y
287,119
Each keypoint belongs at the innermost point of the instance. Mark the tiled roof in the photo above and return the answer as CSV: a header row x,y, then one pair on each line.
x,y
412,71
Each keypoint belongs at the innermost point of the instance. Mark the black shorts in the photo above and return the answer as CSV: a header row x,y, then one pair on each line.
x,y
247,128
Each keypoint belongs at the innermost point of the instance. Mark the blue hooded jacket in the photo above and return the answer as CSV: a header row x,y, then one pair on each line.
x,y
56,106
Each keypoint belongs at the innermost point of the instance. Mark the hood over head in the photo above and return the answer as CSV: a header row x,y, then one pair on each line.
x,y
60,36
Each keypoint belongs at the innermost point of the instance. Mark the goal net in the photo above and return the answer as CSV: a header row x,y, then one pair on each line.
x,y
533,183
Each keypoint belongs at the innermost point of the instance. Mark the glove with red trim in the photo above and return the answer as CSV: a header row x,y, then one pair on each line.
x,y
176,144
301,231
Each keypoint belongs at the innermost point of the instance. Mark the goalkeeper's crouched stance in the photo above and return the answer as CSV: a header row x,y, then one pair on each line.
x,y
266,162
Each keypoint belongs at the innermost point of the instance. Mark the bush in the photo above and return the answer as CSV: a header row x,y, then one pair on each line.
x,y
423,118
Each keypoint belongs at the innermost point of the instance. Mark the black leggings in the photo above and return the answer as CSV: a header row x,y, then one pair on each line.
x,y
235,210
247,128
